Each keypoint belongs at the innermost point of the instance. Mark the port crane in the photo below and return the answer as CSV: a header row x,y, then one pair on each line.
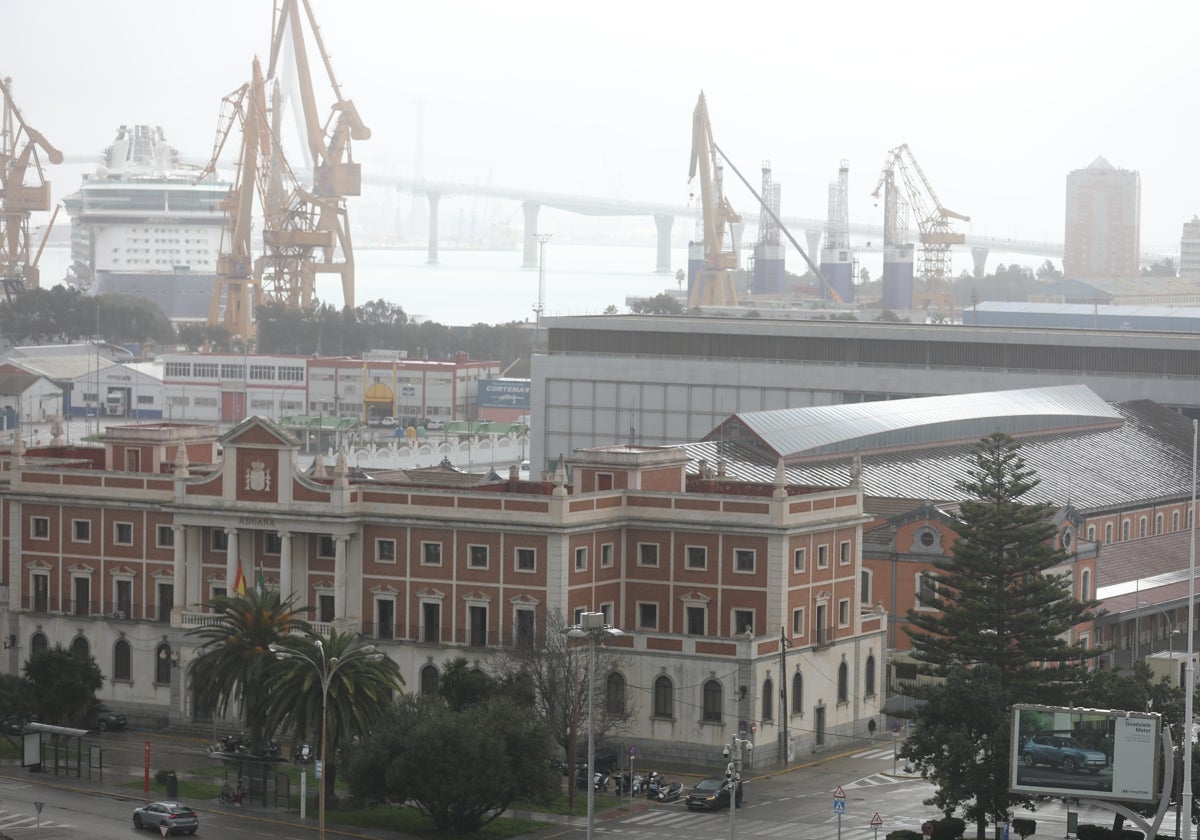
x,y
20,163
713,284
933,222
335,174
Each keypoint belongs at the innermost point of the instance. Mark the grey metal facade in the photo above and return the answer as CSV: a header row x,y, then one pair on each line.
x,y
664,380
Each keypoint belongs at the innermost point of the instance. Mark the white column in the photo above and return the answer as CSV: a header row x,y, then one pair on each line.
x,y
178,570
285,564
339,577
231,559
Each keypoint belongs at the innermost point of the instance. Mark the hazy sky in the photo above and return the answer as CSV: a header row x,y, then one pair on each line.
x,y
998,101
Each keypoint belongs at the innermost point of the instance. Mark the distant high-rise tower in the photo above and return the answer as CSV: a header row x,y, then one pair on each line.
x,y
1102,239
1189,250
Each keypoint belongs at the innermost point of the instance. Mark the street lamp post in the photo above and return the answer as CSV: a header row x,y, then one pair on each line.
x,y
733,774
591,626
325,667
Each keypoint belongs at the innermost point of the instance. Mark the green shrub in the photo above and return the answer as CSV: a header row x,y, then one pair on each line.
x,y
1093,832
948,828
1023,826
903,834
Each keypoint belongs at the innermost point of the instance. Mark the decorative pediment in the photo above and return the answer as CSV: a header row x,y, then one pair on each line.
x,y
80,569
384,590
259,431
477,598
694,598
37,566
524,601
431,593
121,572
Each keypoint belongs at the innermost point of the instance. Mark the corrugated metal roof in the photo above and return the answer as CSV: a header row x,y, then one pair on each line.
x,y
1148,456
820,430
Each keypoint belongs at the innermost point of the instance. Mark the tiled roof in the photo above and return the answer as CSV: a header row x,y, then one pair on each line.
x,y
1146,457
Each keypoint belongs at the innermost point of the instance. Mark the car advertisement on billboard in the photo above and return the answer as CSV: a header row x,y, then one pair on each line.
x,y
1085,753
504,393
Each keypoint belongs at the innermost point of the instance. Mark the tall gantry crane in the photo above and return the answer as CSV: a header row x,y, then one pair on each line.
x,y
713,284
335,174
933,221
23,190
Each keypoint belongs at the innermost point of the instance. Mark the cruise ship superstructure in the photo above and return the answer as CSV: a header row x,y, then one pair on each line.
x,y
140,225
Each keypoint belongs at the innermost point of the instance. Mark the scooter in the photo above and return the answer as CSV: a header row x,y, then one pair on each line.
x,y
659,788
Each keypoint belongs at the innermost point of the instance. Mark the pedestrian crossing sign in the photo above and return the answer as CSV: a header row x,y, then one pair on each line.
x,y
839,806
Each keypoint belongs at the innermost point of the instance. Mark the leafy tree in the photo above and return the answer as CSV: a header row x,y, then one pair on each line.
x,y
64,685
360,694
611,309
1001,617
1162,268
662,303
16,697
461,685
1048,272
461,768
234,667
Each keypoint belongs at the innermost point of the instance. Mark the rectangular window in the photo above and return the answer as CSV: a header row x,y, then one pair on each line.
x,y
83,596
325,547
81,530
926,591
431,554
743,560
696,621
844,553
865,586
123,533
822,557
477,556
124,605
647,554
844,612
219,539
526,560
385,551
580,559
743,621
39,527
606,555
798,622
272,543
697,557
798,559
164,536
325,608
648,616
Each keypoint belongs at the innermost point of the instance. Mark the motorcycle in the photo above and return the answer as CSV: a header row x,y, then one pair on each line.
x,y
659,788
629,783
271,749
304,754
233,743
599,780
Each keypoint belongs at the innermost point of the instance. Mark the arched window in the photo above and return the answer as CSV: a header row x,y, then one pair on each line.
x,y
1142,527
39,643
614,693
768,701
869,677
1085,584
162,664
1091,533
122,661
1175,521
843,683
1158,524
1107,533
664,698
797,694
1125,530
80,647
714,699
429,680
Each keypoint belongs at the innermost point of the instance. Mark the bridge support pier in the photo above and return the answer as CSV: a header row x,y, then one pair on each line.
x,y
979,254
530,256
434,198
813,238
663,221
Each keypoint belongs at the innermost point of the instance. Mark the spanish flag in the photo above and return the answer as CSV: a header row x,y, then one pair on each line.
x,y
239,582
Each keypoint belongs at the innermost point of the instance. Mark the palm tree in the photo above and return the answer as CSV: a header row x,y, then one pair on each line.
x,y
234,662
361,691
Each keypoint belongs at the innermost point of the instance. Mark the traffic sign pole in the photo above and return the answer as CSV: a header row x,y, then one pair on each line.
x,y
876,822
839,808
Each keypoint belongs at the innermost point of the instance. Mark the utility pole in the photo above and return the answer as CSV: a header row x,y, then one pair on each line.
x,y
542,239
733,776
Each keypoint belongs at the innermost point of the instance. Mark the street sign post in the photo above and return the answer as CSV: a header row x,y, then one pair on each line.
x,y
927,829
876,822
839,807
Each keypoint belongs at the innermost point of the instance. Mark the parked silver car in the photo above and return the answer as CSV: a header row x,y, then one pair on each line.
x,y
178,818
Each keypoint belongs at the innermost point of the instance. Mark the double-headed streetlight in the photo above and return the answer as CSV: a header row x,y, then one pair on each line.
x,y
592,627
733,774
325,667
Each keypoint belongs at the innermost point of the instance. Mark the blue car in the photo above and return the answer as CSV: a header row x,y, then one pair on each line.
x,y
1062,751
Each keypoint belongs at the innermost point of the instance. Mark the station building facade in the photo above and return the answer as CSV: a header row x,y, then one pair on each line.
x,y
117,552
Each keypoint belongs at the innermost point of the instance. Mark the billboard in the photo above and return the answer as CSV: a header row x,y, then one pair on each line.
x,y
504,393
1085,753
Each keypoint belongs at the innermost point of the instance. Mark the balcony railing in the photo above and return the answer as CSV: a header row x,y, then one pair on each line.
x,y
824,637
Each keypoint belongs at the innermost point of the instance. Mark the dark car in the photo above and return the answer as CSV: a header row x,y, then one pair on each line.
x,y
1061,751
711,794
106,719
604,759
176,818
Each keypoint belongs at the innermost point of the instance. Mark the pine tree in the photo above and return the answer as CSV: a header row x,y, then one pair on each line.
x,y
999,634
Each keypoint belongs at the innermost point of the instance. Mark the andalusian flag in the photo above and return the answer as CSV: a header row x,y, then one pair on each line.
x,y
261,582
239,582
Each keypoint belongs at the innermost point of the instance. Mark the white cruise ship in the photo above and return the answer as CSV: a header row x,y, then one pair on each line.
x,y
140,225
